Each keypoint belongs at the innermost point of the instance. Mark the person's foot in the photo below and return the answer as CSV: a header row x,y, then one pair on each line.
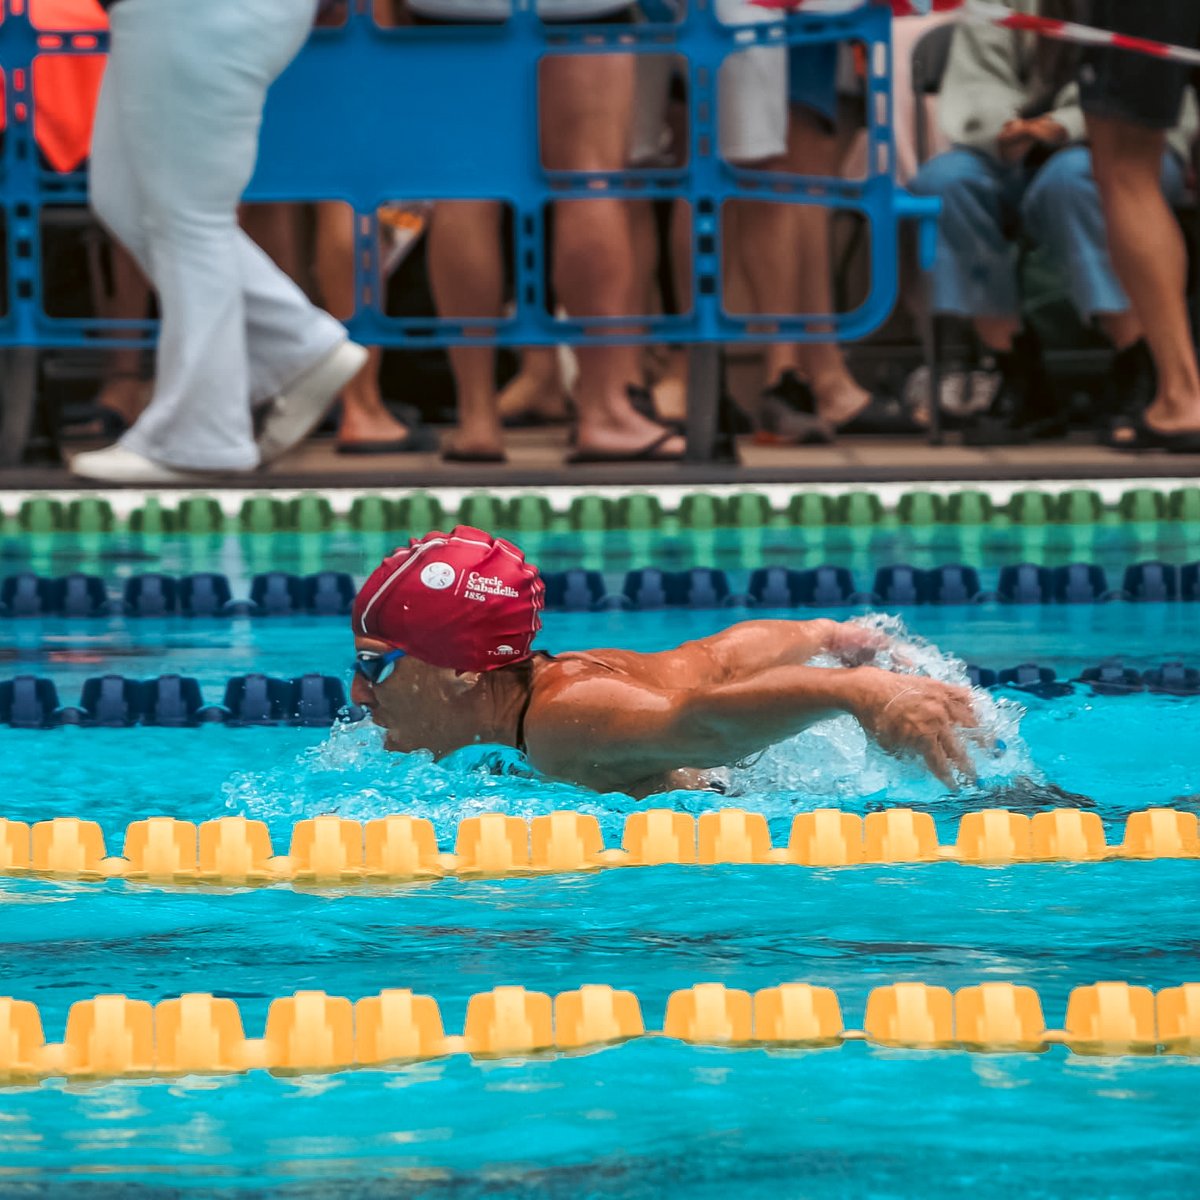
x,y
533,398
118,464
1156,429
787,412
670,398
468,445
373,425
301,406
839,397
619,431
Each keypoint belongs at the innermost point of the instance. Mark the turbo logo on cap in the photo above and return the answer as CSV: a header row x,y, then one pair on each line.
x,y
464,600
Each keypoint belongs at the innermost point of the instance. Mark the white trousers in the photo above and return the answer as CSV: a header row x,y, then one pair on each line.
x,y
174,145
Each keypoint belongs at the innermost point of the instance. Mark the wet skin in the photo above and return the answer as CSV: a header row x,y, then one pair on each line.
x,y
616,720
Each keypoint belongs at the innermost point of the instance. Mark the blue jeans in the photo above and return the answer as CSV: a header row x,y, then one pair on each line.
x,y
985,202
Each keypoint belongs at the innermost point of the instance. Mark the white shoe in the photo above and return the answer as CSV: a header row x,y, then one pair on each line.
x,y
293,414
116,464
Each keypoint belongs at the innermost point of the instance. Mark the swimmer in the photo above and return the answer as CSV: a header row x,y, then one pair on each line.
x,y
444,632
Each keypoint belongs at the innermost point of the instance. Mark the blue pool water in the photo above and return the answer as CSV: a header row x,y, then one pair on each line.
x,y
653,1117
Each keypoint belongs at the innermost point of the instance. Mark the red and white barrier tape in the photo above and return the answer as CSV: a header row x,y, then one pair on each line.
x,y
985,12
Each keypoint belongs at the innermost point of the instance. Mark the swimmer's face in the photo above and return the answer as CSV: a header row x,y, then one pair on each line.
x,y
422,707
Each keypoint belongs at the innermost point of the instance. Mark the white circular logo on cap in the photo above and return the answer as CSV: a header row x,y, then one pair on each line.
x,y
437,575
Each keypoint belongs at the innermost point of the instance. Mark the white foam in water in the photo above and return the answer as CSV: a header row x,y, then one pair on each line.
x,y
836,759
351,774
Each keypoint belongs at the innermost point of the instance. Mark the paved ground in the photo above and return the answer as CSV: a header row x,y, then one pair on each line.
x,y
536,460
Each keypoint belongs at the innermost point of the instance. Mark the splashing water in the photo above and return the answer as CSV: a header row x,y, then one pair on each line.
x,y
351,774
836,759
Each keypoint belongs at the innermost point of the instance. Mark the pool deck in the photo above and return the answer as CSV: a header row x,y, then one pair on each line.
x,y
536,459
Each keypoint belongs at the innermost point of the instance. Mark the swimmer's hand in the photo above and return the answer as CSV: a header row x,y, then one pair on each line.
x,y
909,714
855,645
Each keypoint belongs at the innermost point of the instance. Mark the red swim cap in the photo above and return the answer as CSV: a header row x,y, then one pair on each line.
x,y
464,600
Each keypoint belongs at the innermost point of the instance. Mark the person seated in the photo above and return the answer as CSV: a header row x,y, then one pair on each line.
x,y
444,631
1020,166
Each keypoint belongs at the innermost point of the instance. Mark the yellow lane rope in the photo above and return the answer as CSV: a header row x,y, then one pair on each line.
x,y
330,851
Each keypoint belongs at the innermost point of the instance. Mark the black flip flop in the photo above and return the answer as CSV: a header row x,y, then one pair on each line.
x,y
1145,437
416,441
451,455
648,453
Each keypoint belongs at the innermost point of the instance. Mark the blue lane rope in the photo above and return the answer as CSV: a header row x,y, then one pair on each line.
x,y
116,701
330,593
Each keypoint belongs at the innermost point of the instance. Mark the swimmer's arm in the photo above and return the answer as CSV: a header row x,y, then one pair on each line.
x,y
602,726
752,646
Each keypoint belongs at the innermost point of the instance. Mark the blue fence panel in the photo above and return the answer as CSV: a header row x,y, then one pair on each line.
x,y
369,115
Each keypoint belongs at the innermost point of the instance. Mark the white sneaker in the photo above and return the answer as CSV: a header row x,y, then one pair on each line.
x,y
116,464
293,414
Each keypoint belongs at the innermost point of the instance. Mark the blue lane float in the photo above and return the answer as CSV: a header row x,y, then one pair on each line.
x,y
175,701
317,701
331,593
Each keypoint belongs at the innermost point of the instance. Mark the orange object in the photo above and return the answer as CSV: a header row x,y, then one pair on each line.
x,y
1111,1018
655,836
161,850
565,841
999,1016
397,1026
309,1031
733,836
235,850
15,843
401,848
899,835
826,837
492,844
327,849
1162,833
198,1034
68,846
910,1014
21,1038
1178,1012
508,1021
710,1013
1068,834
109,1035
798,1014
994,835
596,1015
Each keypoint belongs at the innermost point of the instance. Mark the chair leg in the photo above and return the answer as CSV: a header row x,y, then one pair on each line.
x,y
932,338
18,396
703,399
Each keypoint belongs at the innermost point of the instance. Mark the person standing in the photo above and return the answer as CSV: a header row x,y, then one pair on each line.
x,y
1131,100
174,146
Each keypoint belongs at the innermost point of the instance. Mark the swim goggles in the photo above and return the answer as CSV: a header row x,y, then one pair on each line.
x,y
374,666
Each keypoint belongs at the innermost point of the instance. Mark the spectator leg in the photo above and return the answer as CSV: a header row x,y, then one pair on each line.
x,y
1150,257
174,145
124,390
812,150
18,396
586,109
466,272
365,417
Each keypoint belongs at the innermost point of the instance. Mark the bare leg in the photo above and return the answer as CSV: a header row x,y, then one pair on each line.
x,y
467,277
537,389
586,109
998,333
813,151
365,417
125,391
273,227
1150,258
1121,328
